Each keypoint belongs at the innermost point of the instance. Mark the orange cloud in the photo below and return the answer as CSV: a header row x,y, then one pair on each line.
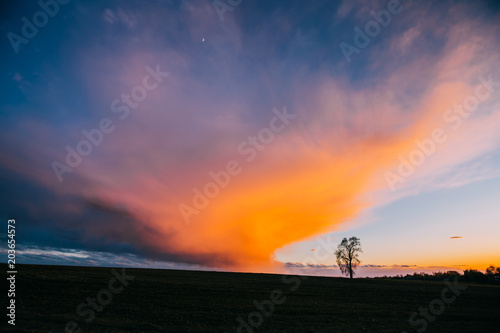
x,y
292,191
312,178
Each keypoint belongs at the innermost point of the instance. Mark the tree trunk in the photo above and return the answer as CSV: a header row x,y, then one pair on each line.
x,y
350,267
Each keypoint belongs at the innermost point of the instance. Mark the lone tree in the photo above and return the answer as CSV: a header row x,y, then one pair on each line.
x,y
347,255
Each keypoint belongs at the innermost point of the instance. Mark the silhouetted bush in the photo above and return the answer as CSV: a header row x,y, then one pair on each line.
x,y
470,275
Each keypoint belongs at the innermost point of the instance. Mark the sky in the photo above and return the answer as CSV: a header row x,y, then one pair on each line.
x,y
252,136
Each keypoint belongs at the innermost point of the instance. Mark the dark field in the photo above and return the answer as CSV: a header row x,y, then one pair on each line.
x,y
47,298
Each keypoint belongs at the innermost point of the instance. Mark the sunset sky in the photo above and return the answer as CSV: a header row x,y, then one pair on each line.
x,y
252,135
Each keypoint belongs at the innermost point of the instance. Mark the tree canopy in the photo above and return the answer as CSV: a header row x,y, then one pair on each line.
x,y
348,255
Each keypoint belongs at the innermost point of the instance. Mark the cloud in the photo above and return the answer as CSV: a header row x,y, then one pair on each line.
x,y
307,265
455,237
119,15
65,256
312,178
367,270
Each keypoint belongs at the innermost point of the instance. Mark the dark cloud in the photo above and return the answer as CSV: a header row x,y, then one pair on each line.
x,y
308,265
51,220
377,266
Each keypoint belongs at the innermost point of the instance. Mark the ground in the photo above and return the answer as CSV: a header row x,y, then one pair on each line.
x,y
47,299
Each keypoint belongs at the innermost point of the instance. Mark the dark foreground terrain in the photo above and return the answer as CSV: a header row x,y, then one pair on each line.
x,y
48,299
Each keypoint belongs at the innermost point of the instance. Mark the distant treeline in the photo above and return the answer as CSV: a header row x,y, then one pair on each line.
x,y
492,275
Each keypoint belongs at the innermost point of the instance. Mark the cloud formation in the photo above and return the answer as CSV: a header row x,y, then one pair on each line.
x,y
353,123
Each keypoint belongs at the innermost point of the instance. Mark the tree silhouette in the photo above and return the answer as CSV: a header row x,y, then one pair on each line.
x,y
348,255
492,270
